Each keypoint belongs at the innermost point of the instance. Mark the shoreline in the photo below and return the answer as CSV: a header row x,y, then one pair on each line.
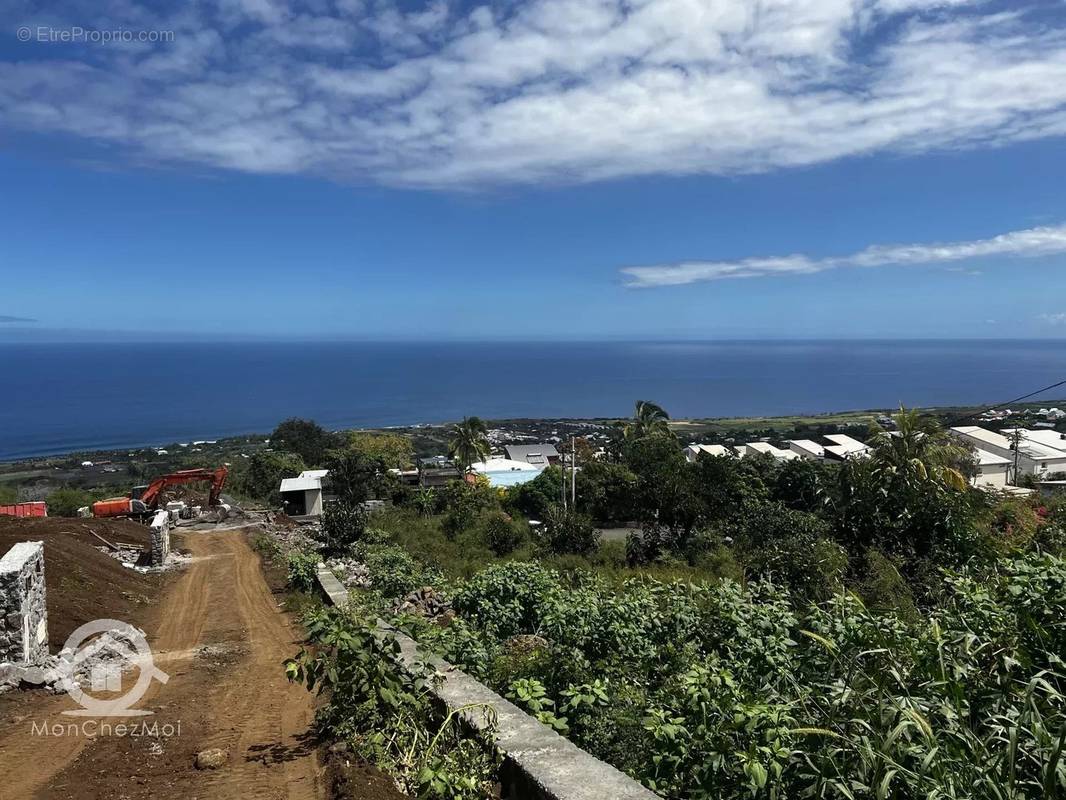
x,y
682,425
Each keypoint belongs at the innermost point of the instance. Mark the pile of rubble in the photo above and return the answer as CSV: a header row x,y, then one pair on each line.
x,y
353,574
108,652
290,534
426,602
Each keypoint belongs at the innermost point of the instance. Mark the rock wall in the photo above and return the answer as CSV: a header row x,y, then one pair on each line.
x,y
23,608
160,536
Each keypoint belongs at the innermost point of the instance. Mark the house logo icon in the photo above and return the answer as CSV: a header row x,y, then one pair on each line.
x,y
108,648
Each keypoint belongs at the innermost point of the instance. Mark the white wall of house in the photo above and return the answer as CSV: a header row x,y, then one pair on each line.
x,y
313,502
991,475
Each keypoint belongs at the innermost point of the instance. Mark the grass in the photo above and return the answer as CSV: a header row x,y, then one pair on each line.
x,y
466,555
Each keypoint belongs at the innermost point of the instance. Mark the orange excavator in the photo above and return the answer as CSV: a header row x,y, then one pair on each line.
x,y
144,499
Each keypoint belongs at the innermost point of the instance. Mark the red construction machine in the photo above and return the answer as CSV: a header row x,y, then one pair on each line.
x,y
145,499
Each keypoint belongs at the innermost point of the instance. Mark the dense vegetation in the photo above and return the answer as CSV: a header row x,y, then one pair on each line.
x,y
869,629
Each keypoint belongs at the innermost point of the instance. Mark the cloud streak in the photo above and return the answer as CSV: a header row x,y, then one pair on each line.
x,y
1030,243
6,318
434,94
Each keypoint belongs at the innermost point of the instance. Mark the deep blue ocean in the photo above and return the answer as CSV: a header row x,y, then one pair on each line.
x,y
58,398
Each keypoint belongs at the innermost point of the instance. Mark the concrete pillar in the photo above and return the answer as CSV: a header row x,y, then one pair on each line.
x,y
23,608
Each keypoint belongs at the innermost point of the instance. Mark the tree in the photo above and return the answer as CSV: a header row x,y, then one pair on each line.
x,y
262,478
65,502
567,531
306,438
393,449
649,419
469,442
355,477
921,449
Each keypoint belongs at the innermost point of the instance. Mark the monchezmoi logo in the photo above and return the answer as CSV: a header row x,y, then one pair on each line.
x,y
92,728
99,653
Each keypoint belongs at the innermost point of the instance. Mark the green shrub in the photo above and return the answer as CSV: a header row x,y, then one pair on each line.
x,y
392,570
66,502
343,524
302,570
502,535
566,531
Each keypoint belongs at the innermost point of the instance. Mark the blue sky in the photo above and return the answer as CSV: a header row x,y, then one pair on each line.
x,y
552,169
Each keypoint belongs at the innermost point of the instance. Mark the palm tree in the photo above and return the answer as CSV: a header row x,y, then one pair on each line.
x,y
469,443
921,448
649,419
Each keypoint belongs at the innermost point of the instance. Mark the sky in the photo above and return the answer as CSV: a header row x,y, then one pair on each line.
x,y
550,169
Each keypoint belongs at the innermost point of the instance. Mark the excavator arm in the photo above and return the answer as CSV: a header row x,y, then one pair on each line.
x,y
217,478
149,499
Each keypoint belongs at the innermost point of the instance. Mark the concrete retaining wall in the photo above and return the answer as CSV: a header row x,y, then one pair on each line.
x,y
23,608
538,763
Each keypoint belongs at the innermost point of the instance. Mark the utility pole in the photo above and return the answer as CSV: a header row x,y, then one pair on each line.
x,y
573,472
562,475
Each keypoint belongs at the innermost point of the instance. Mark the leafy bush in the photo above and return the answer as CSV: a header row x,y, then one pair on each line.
x,y
66,502
386,713
502,535
567,531
734,691
392,570
302,569
343,524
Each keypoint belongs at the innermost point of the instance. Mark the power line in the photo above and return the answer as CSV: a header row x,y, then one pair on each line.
x,y
1007,402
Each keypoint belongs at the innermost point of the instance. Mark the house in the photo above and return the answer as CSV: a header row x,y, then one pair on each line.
x,y
844,447
692,452
539,455
437,471
302,495
505,471
805,448
766,449
1035,455
993,471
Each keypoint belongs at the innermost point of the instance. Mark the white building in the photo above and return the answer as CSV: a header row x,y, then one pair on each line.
x,y
993,471
805,448
767,449
1035,454
692,452
844,447
302,495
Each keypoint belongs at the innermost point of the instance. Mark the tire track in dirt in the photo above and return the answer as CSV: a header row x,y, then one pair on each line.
x,y
234,695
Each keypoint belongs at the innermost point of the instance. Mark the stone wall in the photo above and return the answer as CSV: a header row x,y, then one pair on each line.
x,y
160,536
23,609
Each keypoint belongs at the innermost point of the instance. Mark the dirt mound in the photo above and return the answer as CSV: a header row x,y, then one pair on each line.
x,y
83,583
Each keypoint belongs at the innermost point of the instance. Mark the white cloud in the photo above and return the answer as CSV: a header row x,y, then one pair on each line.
x,y
546,90
1053,319
1029,243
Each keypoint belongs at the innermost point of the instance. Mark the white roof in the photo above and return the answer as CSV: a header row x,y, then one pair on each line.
x,y
987,459
1046,438
848,444
710,449
504,465
306,481
806,446
766,447
1032,448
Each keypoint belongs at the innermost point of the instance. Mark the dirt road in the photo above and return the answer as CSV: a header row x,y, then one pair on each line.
x,y
220,635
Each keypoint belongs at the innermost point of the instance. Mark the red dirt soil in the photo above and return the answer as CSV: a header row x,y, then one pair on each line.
x,y
83,583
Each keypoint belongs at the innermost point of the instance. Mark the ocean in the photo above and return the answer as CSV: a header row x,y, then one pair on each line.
x,y
57,398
